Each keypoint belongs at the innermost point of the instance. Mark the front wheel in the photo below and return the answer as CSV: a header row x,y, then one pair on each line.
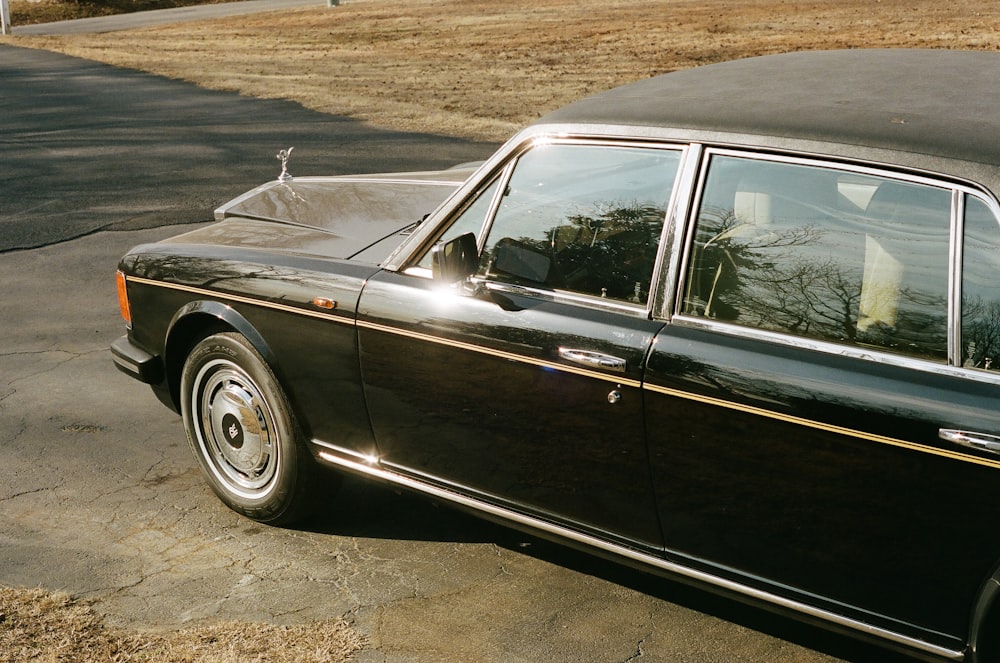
x,y
243,434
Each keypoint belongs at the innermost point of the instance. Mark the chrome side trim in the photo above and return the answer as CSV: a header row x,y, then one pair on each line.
x,y
360,457
373,469
980,441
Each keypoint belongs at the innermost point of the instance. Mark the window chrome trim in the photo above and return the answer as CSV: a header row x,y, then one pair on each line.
x,y
958,255
500,177
498,169
547,140
411,250
819,161
372,467
504,171
565,297
831,348
687,232
955,278
668,273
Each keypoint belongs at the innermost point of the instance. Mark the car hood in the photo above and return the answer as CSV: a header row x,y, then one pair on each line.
x,y
356,217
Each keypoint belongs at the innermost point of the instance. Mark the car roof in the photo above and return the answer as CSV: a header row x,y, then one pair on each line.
x,y
919,108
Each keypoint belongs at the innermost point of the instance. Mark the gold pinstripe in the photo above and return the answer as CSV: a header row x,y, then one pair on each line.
x,y
215,294
818,425
625,382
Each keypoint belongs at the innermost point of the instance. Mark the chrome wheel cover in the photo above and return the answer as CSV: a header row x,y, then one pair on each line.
x,y
235,429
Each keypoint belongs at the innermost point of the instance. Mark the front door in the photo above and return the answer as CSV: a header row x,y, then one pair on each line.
x,y
523,387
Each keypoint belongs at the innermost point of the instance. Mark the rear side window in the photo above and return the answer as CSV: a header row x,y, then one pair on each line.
x,y
980,287
822,253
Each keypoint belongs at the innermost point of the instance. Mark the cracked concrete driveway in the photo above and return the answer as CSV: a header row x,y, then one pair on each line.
x,y
99,495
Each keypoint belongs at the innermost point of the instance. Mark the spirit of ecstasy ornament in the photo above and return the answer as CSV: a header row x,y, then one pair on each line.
x,y
283,156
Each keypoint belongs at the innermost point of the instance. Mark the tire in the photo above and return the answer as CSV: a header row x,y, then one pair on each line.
x,y
243,434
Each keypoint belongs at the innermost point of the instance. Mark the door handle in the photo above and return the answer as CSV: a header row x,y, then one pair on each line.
x,y
980,441
593,359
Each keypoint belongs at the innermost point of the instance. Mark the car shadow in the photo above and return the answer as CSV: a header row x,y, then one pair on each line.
x,y
372,510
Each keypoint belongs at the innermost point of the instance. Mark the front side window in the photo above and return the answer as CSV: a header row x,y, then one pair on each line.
x,y
980,287
585,219
822,253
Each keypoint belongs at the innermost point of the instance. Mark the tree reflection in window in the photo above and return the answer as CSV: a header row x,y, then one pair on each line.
x,y
823,254
582,218
980,289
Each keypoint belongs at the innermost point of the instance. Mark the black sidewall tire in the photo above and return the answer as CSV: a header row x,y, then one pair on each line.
x,y
286,496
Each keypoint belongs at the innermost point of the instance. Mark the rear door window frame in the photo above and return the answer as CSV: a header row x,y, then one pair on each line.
x,y
671,304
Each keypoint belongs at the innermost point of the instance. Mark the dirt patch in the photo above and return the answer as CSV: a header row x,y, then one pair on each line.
x,y
481,69
41,626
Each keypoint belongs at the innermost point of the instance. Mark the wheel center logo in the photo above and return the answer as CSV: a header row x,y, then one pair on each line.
x,y
233,431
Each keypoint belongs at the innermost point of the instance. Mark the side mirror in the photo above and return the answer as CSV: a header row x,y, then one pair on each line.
x,y
455,260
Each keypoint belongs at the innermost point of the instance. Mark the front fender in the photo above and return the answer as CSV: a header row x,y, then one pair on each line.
x,y
197,320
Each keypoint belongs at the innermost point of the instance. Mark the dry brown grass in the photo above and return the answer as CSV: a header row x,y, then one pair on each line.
x,y
42,627
28,12
481,68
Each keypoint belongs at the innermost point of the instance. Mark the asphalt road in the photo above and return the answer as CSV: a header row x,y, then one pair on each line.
x,y
87,147
99,495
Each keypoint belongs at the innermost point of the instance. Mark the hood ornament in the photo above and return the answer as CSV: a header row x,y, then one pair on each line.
x,y
283,156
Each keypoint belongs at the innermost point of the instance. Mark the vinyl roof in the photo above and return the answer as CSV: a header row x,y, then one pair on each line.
x,y
925,103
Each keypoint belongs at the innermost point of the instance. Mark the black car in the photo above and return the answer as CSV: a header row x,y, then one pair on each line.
x,y
738,324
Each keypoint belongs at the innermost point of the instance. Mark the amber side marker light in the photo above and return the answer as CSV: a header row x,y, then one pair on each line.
x,y
323,302
123,298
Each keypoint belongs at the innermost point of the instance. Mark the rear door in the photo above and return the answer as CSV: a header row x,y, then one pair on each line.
x,y
799,403
523,388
